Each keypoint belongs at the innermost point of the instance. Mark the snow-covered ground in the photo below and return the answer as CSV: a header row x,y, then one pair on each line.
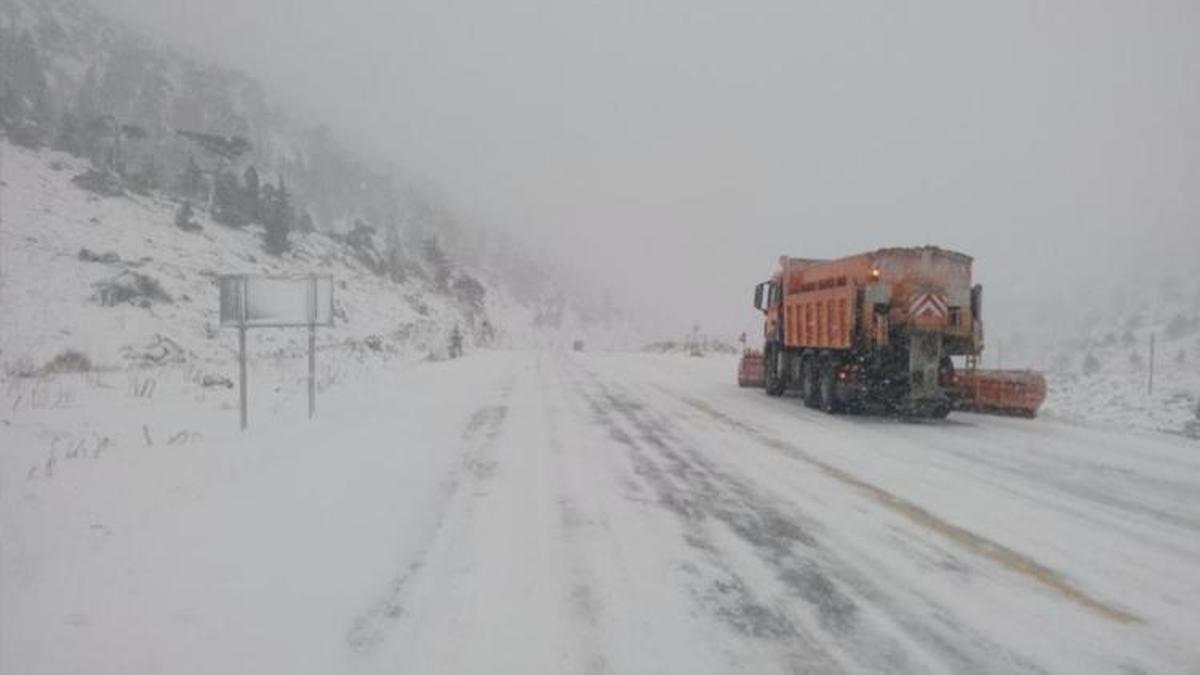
x,y
1118,391
1124,400
550,512
535,511
1098,368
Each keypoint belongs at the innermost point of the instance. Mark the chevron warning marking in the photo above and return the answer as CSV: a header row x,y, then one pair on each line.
x,y
928,305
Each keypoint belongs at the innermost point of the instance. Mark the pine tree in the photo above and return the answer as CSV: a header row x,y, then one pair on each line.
x,y
438,261
227,200
394,258
24,94
69,138
1136,361
89,105
250,195
305,223
190,184
278,222
147,178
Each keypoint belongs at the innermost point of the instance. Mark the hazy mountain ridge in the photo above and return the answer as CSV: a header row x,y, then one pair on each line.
x,y
73,80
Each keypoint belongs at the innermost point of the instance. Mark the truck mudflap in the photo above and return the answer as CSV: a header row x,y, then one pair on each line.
x,y
1004,392
751,371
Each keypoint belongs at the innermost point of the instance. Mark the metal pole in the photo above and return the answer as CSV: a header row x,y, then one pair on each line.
x,y
1150,381
312,346
312,370
242,350
242,370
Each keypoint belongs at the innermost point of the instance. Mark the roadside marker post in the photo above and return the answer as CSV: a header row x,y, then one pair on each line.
x,y
1150,380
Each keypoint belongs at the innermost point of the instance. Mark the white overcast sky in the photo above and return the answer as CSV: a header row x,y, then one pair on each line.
x,y
673,149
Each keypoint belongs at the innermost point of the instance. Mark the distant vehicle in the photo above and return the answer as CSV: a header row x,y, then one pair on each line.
x,y
578,345
879,329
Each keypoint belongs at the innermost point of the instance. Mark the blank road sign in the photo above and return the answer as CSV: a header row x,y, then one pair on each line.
x,y
255,301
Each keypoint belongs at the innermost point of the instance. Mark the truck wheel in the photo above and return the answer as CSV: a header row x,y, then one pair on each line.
x,y
828,385
940,411
774,364
808,384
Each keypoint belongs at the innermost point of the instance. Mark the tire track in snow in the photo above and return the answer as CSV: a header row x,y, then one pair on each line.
x,y
584,605
979,545
370,627
1062,474
695,499
781,538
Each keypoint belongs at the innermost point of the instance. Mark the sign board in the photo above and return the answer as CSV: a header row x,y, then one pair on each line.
x,y
267,301
276,302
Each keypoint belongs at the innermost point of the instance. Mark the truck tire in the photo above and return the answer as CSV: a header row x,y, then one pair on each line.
x,y
828,389
775,364
808,382
940,411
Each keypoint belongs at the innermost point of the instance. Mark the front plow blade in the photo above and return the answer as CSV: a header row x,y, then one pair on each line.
x,y
750,369
1003,392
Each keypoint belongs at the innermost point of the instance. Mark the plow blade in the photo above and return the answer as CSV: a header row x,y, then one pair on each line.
x,y
750,369
1003,392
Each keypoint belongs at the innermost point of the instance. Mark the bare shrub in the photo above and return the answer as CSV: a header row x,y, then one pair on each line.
x,y
22,368
106,183
108,257
142,387
160,350
131,287
44,392
68,361
216,380
185,218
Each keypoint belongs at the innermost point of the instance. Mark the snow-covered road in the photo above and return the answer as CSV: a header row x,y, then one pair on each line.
x,y
614,513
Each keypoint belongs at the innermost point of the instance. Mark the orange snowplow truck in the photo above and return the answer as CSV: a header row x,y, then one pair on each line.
x,y
871,330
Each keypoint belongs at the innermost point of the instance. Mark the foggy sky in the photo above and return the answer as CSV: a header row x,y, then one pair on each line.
x,y
672,150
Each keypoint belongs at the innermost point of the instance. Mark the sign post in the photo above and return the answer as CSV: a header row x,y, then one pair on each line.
x,y
276,302
312,346
242,372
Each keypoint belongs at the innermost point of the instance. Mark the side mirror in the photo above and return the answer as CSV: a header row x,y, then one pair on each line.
x,y
762,296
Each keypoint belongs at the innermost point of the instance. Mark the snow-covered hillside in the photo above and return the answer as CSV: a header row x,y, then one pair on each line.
x,y
1101,371
81,365
61,245
157,122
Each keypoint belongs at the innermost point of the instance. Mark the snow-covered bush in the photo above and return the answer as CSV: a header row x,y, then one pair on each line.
x,y
1179,326
105,183
184,217
131,287
68,361
1135,360
108,257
